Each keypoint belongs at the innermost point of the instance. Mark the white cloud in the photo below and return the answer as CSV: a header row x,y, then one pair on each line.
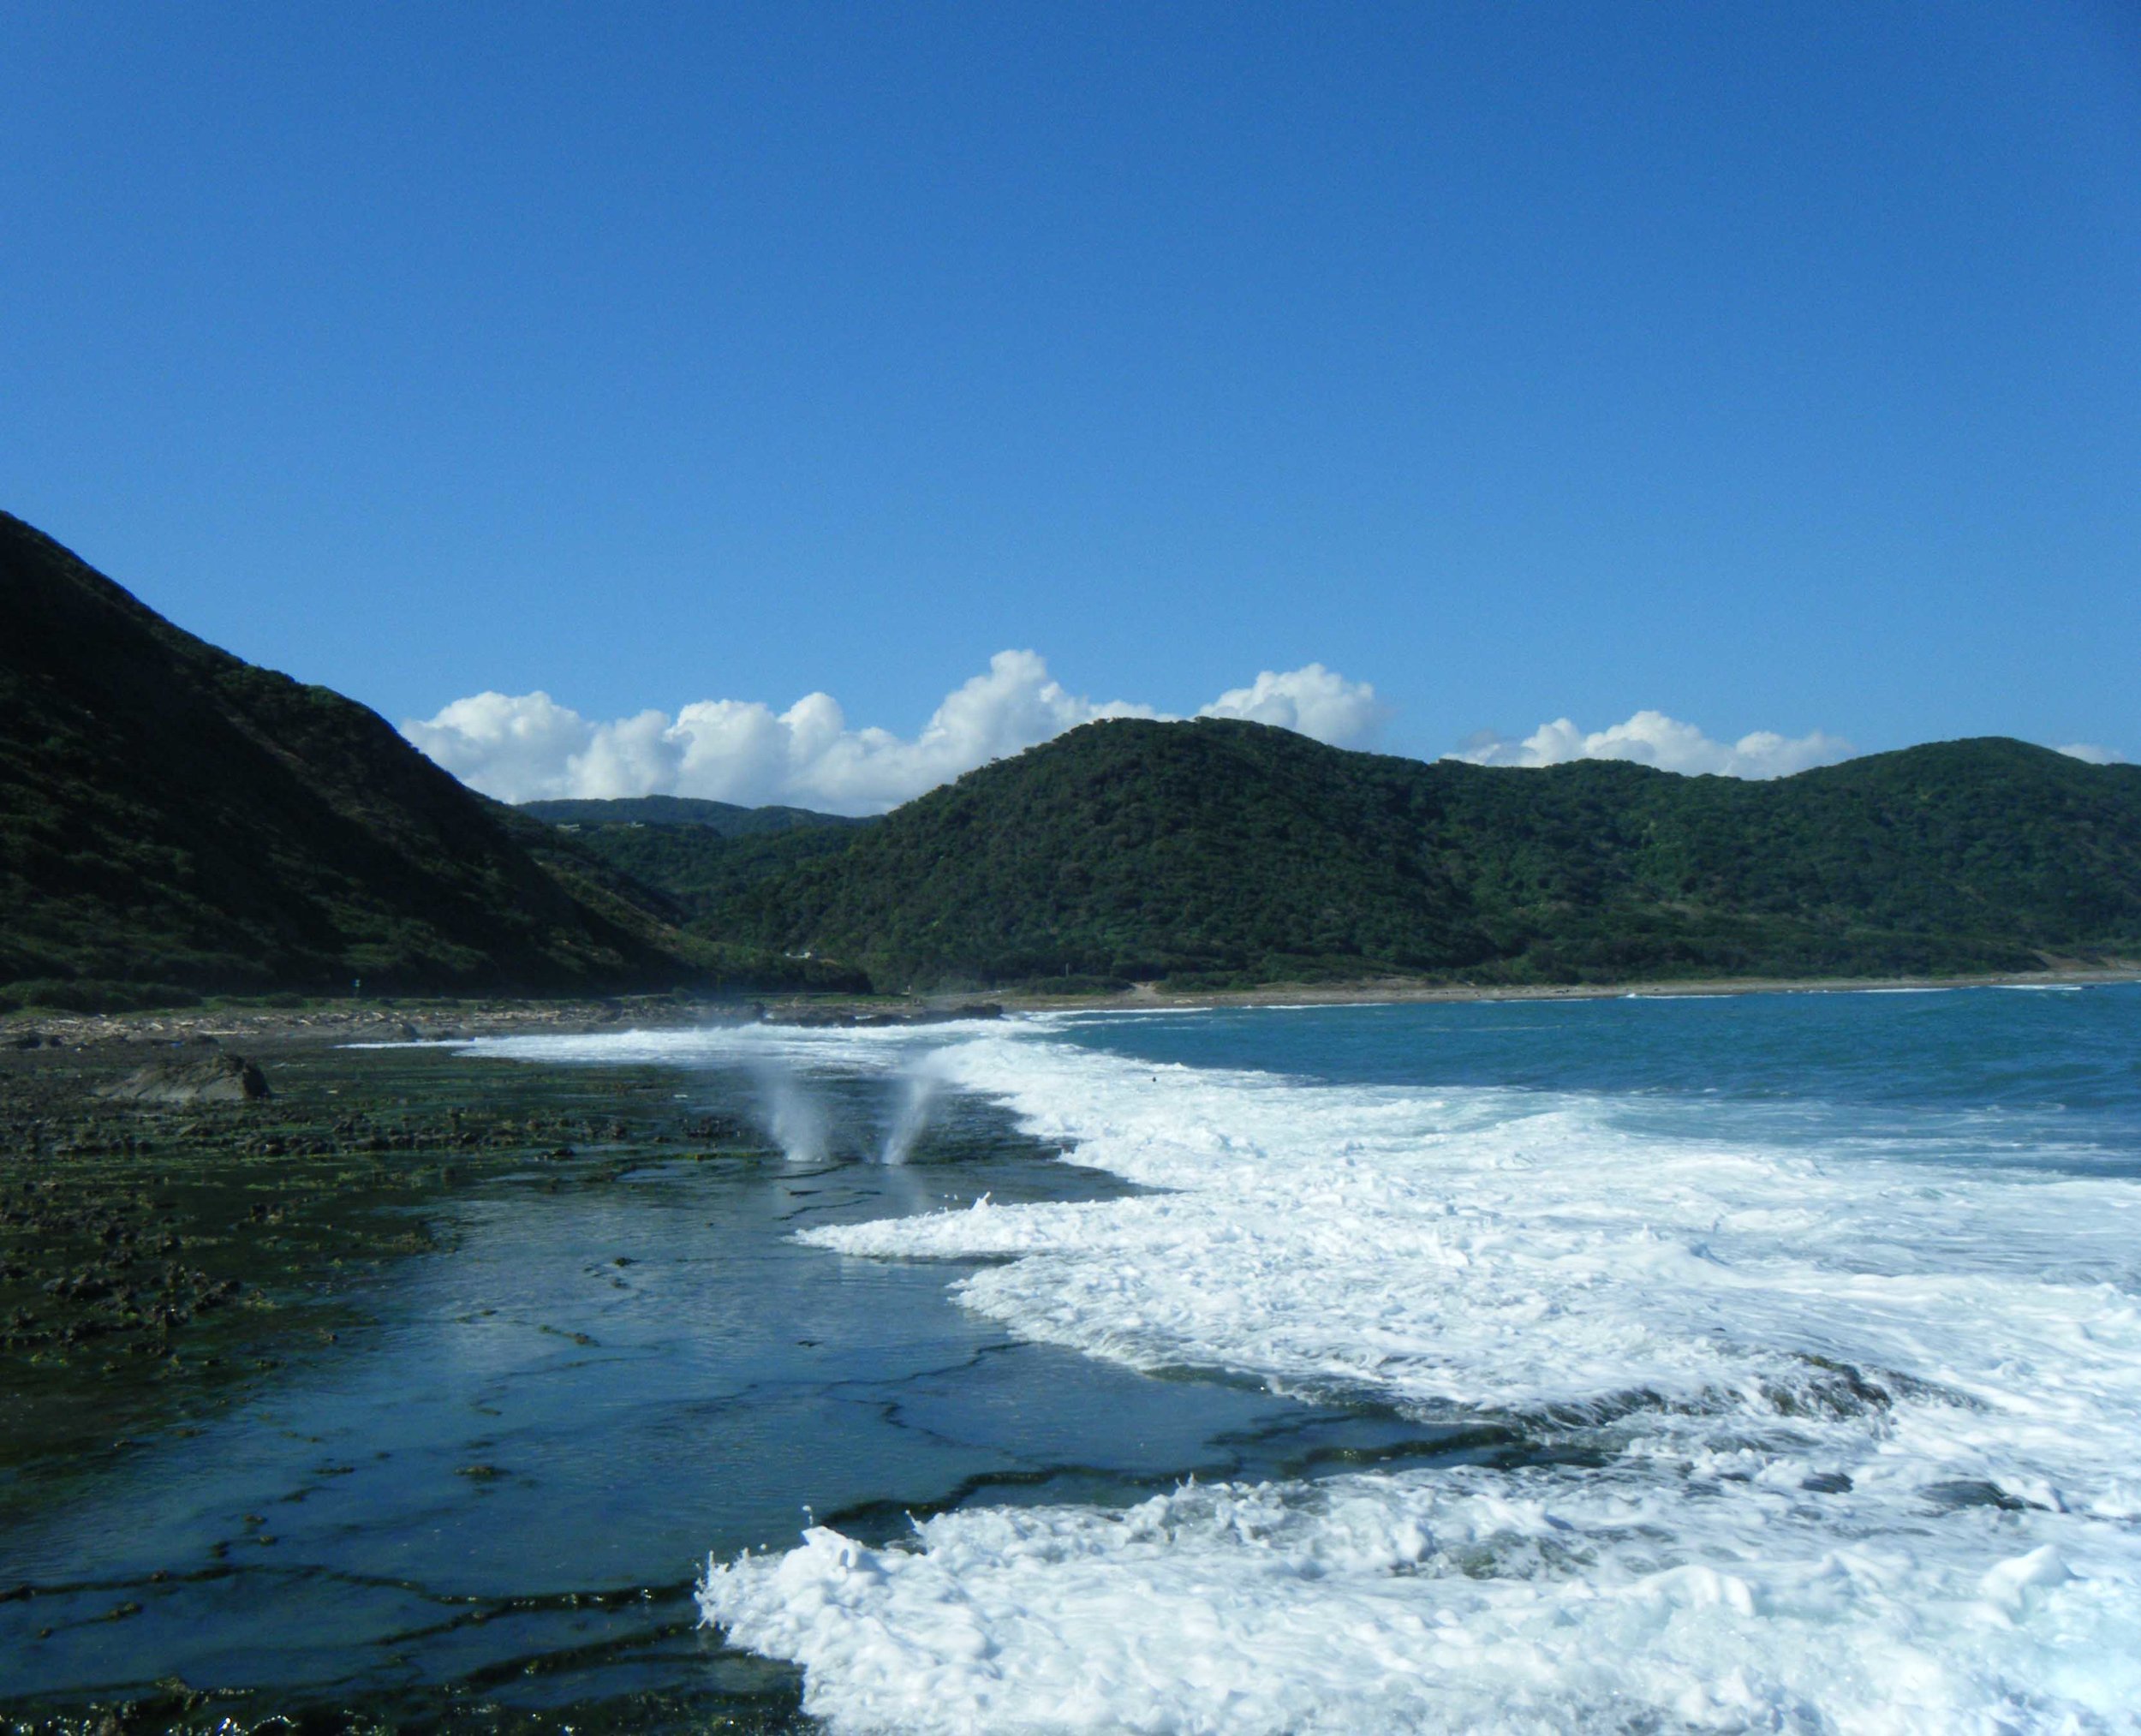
x,y
1652,738
2093,753
1315,701
517,747
526,747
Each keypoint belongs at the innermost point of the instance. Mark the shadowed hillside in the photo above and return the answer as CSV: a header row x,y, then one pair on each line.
x,y
723,818
1222,852
702,861
170,814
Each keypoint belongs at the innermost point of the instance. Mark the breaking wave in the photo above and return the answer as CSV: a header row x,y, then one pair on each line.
x,y
1817,1435
1822,1444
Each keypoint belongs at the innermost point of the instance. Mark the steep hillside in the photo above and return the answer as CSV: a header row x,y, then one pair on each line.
x,y
170,814
703,872
1220,850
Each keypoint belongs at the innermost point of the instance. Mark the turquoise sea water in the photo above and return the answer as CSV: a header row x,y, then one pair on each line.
x,y
1798,1339
2068,1057
1767,1362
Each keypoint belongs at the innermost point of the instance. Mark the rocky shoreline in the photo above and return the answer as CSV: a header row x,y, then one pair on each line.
x,y
412,1021
420,1020
177,1215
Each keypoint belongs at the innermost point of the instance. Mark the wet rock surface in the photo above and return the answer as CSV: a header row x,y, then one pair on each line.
x,y
219,1078
848,1017
165,1265
152,1243
415,1395
260,1025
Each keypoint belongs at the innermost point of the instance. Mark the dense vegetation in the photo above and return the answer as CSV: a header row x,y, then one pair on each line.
x,y
725,819
703,855
174,819
1221,851
703,872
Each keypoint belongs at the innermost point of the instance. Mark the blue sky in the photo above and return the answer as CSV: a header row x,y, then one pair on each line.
x,y
1775,368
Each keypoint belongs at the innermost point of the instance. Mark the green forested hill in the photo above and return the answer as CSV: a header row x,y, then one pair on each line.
x,y
170,814
704,872
703,855
1220,850
724,819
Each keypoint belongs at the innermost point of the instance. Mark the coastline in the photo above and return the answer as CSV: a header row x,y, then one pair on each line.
x,y
1398,992
425,1019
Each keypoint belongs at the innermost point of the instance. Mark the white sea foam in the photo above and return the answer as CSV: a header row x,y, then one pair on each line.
x,y
1823,1436
1521,1250
1453,1601
847,1049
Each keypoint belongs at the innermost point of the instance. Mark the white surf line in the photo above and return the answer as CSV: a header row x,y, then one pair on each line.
x,y
1882,1479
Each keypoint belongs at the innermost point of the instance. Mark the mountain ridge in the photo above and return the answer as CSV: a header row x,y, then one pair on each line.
x,y
174,819
724,819
1221,852
172,816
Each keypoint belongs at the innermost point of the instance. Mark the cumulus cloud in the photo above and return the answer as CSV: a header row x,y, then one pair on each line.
x,y
526,747
1315,701
2093,753
1652,738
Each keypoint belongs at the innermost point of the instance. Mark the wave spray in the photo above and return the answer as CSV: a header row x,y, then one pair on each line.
x,y
793,1114
911,1118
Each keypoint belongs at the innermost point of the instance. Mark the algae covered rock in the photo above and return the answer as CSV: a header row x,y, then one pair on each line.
x,y
196,1079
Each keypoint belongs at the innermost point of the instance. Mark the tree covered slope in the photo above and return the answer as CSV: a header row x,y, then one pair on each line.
x,y
703,872
171,815
1219,850
724,819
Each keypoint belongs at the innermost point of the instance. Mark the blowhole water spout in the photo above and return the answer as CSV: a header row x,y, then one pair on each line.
x,y
917,1092
793,1114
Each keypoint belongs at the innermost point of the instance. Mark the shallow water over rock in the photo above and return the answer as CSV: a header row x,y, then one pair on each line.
x,y
487,1495
1664,1365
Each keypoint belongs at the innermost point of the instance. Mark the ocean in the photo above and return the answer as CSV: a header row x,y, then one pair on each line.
x,y
1753,1362
1769,1361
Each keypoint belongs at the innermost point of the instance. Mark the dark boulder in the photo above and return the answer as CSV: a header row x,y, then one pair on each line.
x,y
198,1079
